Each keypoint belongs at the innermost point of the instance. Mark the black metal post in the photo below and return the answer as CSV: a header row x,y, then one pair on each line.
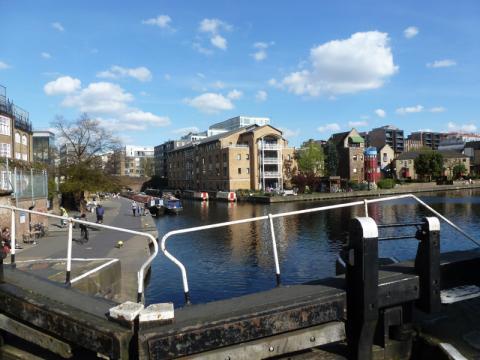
x,y
427,265
362,287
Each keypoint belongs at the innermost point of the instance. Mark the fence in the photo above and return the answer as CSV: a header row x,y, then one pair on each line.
x,y
270,217
24,183
71,221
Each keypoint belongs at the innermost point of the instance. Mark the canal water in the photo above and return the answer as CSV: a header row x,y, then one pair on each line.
x,y
236,260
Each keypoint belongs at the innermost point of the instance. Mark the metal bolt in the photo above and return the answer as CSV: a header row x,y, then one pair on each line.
x,y
271,348
312,338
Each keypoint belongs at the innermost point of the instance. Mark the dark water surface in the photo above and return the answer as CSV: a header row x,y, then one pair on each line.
x,y
237,260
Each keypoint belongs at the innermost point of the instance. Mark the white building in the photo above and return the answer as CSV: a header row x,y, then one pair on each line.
x,y
239,122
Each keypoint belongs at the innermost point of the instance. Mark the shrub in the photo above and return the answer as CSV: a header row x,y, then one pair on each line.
x,y
386,184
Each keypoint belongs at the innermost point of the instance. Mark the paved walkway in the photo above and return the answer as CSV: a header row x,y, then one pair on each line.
x,y
102,244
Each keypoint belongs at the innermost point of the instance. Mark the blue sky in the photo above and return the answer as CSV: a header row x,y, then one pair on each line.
x,y
155,69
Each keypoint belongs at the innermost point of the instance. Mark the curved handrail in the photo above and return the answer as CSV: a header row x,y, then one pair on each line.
x,y
364,202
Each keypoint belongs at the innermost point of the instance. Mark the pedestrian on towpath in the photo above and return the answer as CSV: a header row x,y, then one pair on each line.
x,y
134,207
83,229
100,212
64,213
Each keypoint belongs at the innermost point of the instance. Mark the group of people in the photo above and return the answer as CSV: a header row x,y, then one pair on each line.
x,y
138,208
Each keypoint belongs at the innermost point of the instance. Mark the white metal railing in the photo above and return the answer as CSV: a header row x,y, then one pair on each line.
x,y
270,217
271,174
269,161
71,221
270,147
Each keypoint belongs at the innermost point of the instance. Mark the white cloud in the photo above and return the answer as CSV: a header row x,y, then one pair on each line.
x,y
46,55
328,127
380,113
210,103
273,82
289,133
261,95
437,109
410,32
362,62
463,128
140,73
213,26
4,65
167,77
147,117
62,85
186,130
355,124
201,49
219,42
409,109
234,94
162,21
261,53
442,63
218,84
100,98
57,26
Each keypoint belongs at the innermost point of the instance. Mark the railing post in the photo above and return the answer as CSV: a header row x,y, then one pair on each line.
x,y
365,204
13,238
362,287
427,265
69,252
275,252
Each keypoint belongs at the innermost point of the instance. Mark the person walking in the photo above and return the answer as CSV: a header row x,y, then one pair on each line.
x,y
83,229
64,213
134,207
100,210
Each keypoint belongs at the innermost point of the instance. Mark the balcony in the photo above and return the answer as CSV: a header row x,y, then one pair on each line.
x,y
270,147
271,174
271,161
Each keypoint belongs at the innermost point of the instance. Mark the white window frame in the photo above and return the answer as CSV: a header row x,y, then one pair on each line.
x,y
17,138
5,126
5,150
25,157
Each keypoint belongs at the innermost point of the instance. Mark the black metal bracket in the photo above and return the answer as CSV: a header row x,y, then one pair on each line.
x,y
427,265
362,287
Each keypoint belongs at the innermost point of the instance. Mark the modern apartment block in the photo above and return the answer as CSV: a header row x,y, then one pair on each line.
x,y
132,161
160,155
456,141
412,145
254,157
43,147
239,122
350,147
15,130
387,135
427,138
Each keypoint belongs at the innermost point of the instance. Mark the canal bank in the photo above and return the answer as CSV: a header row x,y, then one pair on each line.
x,y
117,280
400,189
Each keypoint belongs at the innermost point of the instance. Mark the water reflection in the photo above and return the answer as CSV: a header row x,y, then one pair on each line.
x,y
237,260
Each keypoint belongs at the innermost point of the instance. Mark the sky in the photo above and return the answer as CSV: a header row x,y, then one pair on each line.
x,y
154,70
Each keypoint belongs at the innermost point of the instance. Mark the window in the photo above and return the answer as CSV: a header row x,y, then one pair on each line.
x,y
354,157
224,157
17,137
4,125
224,171
354,170
289,157
18,156
385,158
25,157
247,157
239,157
5,150
239,171
248,170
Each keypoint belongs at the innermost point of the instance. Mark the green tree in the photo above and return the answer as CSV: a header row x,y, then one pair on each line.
x,y
331,159
459,170
311,158
429,164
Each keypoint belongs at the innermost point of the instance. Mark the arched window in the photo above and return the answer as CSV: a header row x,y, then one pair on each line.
x,y
24,140
17,137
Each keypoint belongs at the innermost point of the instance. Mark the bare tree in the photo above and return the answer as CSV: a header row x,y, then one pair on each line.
x,y
84,139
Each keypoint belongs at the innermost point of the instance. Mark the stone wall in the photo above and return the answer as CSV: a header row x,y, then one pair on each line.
x,y
22,219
